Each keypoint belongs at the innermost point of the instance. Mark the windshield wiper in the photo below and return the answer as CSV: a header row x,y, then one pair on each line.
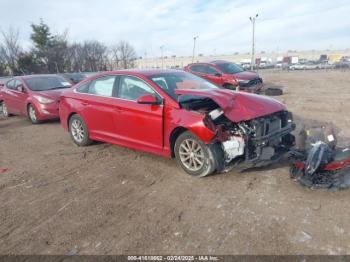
x,y
59,87
193,100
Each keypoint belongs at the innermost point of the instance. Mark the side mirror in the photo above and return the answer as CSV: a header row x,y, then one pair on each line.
x,y
218,74
148,100
21,89
2,85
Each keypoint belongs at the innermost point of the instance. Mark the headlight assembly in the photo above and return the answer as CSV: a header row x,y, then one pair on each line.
x,y
43,100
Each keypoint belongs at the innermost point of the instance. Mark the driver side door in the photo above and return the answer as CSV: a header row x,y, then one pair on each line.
x,y
20,97
138,125
9,96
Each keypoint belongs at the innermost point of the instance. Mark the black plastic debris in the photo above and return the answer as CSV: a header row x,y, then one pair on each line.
x,y
318,163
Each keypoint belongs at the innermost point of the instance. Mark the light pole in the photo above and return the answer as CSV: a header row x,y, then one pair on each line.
x,y
162,56
194,47
252,19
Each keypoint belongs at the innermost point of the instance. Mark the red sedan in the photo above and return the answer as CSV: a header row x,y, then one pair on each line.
x,y
177,114
228,75
35,96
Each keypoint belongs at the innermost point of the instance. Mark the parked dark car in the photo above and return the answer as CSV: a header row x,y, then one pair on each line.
x,y
177,114
35,96
228,75
74,78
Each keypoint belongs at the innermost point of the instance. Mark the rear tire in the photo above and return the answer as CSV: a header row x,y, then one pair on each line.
x,y
32,114
195,157
78,131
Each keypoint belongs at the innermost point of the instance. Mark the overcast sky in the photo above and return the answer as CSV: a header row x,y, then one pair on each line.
x,y
223,26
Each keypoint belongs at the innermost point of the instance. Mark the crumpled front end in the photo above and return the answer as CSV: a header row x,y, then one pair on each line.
x,y
254,140
253,143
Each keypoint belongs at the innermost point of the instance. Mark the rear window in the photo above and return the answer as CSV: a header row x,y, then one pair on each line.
x,y
42,83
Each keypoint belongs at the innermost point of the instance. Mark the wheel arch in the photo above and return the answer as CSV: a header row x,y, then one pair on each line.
x,y
175,133
28,103
69,117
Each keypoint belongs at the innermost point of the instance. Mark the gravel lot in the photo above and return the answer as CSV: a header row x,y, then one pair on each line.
x,y
103,199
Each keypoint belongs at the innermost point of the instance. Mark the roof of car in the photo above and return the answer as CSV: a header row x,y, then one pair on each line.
x,y
219,62
38,75
215,62
146,72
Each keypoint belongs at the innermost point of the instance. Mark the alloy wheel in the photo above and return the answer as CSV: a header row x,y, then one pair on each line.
x,y
191,154
77,130
4,110
32,113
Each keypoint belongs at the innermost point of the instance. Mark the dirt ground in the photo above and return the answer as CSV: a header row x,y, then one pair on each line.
x,y
57,198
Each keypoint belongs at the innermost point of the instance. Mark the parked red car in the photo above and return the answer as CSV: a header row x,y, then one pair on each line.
x,y
228,75
177,114
3,81
35,96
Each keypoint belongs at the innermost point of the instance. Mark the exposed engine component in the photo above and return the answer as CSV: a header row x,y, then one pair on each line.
x,y
245,144
216,113
233,147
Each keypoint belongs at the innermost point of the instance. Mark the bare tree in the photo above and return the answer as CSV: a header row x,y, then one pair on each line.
x,y
10,49
124,54
94,54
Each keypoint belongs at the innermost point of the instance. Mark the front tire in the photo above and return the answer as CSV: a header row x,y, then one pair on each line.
x,y
4,109
78,131
32,114
195,157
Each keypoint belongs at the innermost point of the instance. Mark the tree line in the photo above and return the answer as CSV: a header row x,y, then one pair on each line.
x,y
53,53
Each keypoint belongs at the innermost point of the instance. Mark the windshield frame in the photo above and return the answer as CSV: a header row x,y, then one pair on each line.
x,y
173,96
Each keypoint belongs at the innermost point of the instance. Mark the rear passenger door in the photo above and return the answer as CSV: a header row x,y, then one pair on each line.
x,y
98,107
20,98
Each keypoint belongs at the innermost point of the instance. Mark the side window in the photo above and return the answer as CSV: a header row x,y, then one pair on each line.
x,y
84,88
17,83
211,70
102,86
11,84
131,88
198,69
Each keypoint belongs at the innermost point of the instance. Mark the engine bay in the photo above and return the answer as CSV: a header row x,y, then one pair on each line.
x,y
251,143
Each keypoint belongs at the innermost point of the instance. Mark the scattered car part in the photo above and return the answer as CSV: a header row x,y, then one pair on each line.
x,y
272,91
321,164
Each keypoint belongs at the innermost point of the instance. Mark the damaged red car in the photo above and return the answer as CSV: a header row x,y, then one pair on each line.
x,y
177,114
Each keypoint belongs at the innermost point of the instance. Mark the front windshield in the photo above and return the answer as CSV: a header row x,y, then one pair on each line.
x,y
42,83
180,80
230,68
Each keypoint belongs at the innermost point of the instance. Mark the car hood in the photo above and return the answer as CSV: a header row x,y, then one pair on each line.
x,y
237,106
53,94
246,75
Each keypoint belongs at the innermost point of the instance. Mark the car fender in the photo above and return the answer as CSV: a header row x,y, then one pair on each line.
x,y
191,121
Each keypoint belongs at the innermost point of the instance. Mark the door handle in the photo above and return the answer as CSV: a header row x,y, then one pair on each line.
x,y
84,103
118,110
